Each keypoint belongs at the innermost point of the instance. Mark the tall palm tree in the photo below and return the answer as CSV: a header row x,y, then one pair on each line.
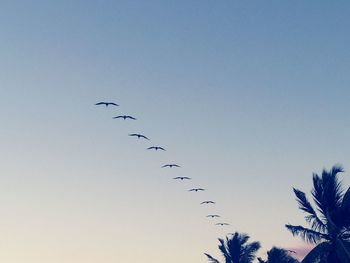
x,y
330,223
236,249
278,255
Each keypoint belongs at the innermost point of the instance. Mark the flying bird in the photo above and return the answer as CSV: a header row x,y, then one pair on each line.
x,y
212,216
106,103
170,165
182,178
156,148
139,136
222,224
207,202
124,117
196,189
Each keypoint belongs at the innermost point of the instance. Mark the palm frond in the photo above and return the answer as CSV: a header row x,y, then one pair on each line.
x,y
327,192
223,249
211,259
279,255
308,235
346,208
250,251
317,253
311,217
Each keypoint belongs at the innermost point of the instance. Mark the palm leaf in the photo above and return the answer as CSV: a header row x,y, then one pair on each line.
x,y
346,208
308,235
311,216
317,253
223,249
250,251
211,259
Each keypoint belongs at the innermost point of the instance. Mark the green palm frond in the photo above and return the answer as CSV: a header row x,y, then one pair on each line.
x,y
311,217
308,235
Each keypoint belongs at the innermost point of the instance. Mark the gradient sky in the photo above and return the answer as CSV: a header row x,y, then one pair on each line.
x,y
250,97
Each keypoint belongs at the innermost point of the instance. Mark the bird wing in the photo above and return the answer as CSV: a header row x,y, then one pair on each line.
x,y
117,117
114,104
150,148
165,165
130,117
161,148
143,136
100,103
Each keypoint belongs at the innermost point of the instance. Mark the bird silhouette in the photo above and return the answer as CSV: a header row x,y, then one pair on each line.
x,y
182,178
170,165
107,103
196,189
124,117
212,216
207,202
222,224
156,148
139,136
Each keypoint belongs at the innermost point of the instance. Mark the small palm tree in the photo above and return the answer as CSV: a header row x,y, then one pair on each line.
x,y
330,225
236,249
278,255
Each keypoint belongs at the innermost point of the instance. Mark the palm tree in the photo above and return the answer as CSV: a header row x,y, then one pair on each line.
x,y
330,225
278,255
236,249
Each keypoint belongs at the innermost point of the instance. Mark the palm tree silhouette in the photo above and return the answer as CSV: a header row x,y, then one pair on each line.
x,y
278,255
330,225
236,249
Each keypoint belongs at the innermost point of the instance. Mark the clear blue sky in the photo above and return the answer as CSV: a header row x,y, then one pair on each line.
x,y
250,97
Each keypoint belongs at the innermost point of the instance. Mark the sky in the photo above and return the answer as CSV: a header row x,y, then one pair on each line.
x,y
249,97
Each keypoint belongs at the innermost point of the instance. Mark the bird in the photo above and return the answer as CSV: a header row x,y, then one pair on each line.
x,y
196,189
207,202
212,216
171,165
182,178
106,103
222,224
156,148
138,136
124,117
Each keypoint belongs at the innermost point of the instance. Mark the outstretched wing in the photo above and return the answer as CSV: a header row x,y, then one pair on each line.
x,y
101,103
